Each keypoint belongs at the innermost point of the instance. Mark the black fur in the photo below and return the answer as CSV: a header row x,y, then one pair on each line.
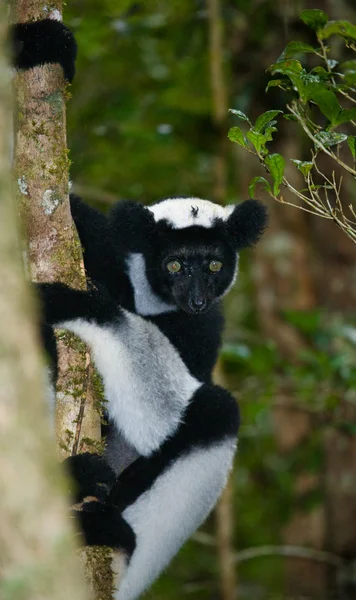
x,y
50,348
133,228
103,264
194,247
103,525
196,337
247,223
211,416
44,42
61,303
90,475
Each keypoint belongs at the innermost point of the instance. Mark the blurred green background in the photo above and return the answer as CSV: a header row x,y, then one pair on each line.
x,y
143,125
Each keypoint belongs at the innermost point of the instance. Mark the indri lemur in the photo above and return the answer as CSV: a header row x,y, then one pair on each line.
x,y
152,318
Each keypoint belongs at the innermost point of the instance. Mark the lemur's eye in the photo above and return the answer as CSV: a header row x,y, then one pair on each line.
x,y
215,266
174,266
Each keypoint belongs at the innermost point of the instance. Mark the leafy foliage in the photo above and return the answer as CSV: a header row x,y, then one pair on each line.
x,y
329,90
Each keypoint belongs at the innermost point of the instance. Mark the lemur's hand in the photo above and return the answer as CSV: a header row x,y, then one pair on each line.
x,y
91,476
103,525
44,42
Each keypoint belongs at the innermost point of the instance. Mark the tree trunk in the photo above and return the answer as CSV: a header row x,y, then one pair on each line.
x,y
36,541
53,250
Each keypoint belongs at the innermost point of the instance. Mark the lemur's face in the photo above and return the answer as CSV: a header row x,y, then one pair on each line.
x,y
195,277
187,247
192,267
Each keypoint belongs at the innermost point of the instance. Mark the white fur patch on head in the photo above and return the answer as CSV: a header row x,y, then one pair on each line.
x,y
186,212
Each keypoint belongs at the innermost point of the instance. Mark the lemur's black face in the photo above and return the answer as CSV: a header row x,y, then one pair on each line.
x,y
197,277
187,248
192,269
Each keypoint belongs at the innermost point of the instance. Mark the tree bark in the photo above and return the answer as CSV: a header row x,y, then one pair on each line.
x,y
36,541
52,250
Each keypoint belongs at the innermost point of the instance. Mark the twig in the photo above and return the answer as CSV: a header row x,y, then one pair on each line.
x,y
290,552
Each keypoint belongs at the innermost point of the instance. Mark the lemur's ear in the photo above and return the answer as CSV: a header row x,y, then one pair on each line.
x,y
132,225
247,223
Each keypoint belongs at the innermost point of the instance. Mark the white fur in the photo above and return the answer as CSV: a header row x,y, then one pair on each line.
x,y
146,301
178,212
50,395
147,385
233,280
171,510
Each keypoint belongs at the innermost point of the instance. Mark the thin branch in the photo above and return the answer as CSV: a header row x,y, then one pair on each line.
x,y
290,552
270,550
318,144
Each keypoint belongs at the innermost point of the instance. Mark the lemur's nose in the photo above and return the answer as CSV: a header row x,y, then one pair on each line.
x,y
198,304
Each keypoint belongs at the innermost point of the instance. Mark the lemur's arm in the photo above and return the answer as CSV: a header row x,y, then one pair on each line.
x,y
101,262
44,42
61,304
147,385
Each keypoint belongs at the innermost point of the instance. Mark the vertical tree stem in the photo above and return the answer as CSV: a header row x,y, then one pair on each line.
x,y
53,251
224,509
36,542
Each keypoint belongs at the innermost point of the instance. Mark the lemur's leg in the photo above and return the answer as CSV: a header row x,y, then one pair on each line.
x,y
165,497
43,42
147,385
100,522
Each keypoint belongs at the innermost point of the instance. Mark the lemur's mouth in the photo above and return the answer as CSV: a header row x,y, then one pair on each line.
x,y
194,307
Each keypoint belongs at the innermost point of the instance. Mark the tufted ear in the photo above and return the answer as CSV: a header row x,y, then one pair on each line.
x,y
132,226
246,223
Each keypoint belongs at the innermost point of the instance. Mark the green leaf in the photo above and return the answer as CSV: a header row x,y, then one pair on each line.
x,y
235,134
326,101
350,78
330,138
348,65
323,74
263,120
290,68
304,166
314,18
346,115
297,48
275,164
240,115
269,130
351,140
254,182
342,28
258,140
282,83
290,117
